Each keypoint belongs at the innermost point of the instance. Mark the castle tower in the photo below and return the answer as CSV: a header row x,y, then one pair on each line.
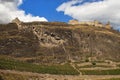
x,y
108,25
17,21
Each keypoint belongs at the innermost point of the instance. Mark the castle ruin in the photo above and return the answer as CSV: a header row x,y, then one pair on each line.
x,y
95,23
17,21
90,23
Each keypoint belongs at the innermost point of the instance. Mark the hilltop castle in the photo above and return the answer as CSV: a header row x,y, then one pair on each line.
x,y
23,25
90,23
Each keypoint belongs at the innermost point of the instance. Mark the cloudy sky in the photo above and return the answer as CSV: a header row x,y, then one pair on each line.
x,y
61,10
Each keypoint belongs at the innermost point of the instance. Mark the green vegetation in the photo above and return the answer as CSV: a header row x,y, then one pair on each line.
x,y
87,60
1,77
112,79
93,63
92,66
101,72
65,69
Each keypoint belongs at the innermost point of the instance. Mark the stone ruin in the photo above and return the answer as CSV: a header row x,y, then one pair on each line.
x,y
73,22
90,23
17,21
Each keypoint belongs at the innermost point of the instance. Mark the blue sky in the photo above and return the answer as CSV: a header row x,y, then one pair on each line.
x,y
45,8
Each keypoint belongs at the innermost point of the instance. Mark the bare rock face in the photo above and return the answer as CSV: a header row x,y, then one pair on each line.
x,y
48,39
46,42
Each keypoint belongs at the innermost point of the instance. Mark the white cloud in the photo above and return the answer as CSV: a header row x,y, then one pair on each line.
x,y
104,11
9,10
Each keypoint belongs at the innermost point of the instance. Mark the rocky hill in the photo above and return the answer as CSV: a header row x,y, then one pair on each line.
x,y
56,42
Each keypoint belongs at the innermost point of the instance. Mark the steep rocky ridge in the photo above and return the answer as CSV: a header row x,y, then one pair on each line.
x,y
46,42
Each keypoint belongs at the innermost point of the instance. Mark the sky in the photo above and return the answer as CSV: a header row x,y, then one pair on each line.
x,y
61,10
45,8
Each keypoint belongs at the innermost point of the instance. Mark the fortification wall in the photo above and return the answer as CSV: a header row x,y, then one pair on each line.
x,y
8,27
89,23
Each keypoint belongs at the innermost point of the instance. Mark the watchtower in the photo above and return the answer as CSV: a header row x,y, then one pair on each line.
x,y
17,21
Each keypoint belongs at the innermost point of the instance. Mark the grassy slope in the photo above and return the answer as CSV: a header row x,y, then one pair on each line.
x,y
101,72
66,69
23,66
113,79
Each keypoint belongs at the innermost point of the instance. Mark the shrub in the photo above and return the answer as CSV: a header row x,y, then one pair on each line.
x,y
93,63
87,60
1,77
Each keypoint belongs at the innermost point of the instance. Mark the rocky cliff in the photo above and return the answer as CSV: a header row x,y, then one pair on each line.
x,y
57,42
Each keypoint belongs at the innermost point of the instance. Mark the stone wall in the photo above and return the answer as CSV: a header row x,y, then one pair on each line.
x,y
90,23
8,27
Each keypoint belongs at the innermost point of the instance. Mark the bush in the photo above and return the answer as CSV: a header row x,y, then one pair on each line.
x,y
87,60
1,77
93,63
